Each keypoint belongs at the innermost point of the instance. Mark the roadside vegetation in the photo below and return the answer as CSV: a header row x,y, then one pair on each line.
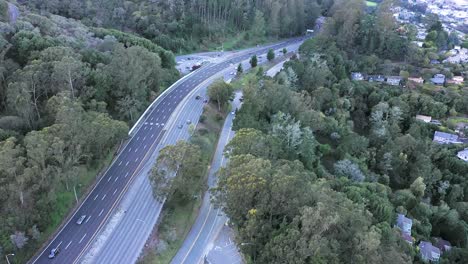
x,y
186,26
185,191
67,99
75,75
321,165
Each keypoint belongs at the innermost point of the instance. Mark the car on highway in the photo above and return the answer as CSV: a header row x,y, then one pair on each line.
x,y
180,126
189,122
81,219
197,97
205,101
54,252
233,112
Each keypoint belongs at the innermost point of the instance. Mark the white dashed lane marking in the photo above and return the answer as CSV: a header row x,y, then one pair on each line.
x,y
81,240
69,243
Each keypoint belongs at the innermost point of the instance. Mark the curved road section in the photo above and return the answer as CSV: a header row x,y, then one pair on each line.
x,y
74,239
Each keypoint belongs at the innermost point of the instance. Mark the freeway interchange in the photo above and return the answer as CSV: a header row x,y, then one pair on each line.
x,y
103,202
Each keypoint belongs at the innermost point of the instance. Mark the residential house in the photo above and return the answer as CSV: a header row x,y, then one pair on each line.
x,y
418,80
443,245
463,155
394,80
425,119
428,251
357,76
456,80
459,55
404,224
446,138
438,79
376,78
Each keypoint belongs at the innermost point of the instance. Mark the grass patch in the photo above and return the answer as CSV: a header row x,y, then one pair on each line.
x,y
177,221
65,202
177,216
371,4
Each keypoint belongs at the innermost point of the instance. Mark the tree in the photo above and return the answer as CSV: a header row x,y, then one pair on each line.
x,y
271,55
221,92
19,239
284,51
133,73
253,61
418,187
240,69
70,73
178,172
258,26
346,168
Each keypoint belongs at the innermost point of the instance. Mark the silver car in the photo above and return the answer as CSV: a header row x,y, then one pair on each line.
x,y
81,219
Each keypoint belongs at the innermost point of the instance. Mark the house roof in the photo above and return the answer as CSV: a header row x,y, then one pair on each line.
x,y
424,118
438,79
416,79
404,220
379,78
428,250
442,244
463,152
446,136
396,78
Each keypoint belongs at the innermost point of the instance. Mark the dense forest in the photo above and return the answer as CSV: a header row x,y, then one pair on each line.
x,y
321,165
187,25
68,94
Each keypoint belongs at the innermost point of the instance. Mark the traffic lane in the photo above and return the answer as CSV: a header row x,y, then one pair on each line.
x,y
118,240
207,223
79,233
100,188
73,231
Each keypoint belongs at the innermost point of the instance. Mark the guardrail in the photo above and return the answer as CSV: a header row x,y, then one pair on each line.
x,y
159,99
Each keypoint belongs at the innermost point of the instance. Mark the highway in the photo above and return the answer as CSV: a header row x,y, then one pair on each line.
x,y
210,220
100,204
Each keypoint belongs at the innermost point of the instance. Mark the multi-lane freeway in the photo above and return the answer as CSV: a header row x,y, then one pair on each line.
x,y
74,240
210,219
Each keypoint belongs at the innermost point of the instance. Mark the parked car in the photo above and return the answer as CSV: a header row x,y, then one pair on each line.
x,y
81,219
54,252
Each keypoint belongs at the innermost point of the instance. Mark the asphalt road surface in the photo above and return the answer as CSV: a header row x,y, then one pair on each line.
x,y
210,221
73,239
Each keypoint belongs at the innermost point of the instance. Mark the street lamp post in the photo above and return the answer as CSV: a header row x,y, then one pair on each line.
x,y
6,256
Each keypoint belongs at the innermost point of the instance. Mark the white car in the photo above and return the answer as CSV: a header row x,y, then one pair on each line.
x,y
81,219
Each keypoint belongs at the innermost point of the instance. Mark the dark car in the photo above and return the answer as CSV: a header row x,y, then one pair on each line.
x,y
54,252
180,126
197,97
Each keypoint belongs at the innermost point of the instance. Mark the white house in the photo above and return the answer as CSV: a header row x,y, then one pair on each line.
x,y
463,155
